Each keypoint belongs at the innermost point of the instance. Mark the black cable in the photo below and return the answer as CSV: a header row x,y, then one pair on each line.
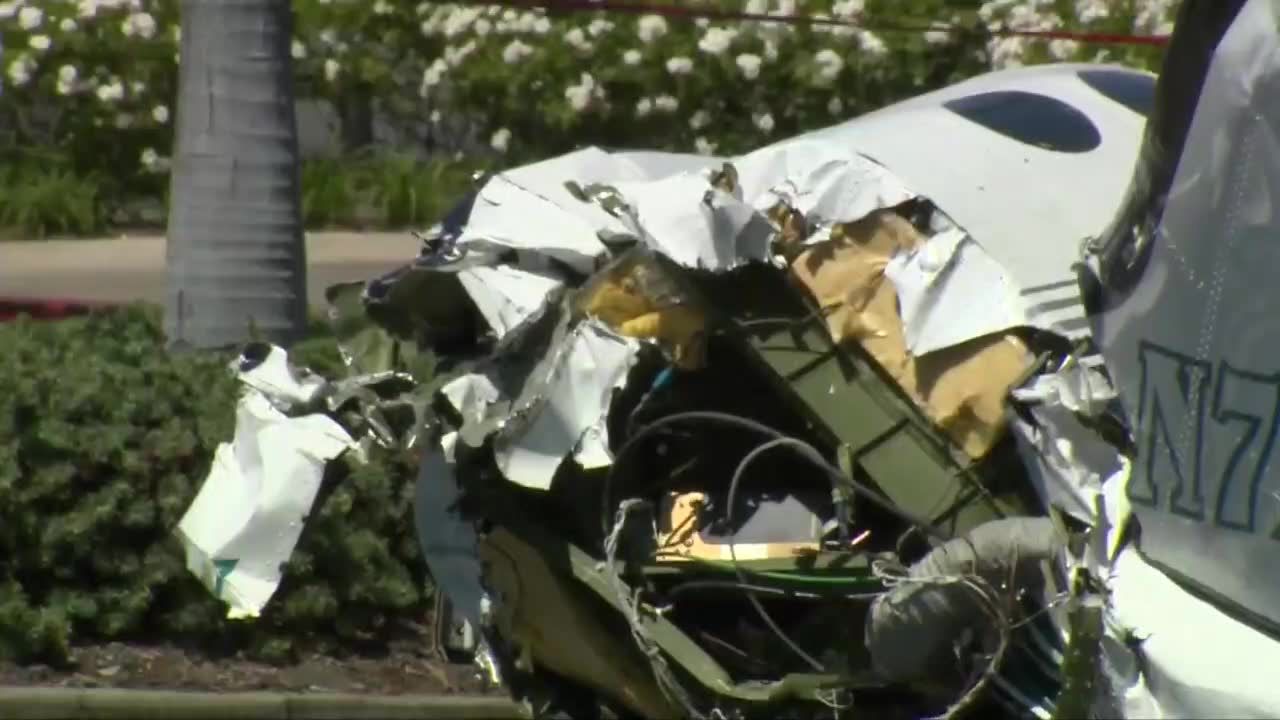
x,y
809,453
733,555
738,585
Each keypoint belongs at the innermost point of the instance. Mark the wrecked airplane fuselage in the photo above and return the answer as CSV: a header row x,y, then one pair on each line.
x,y
812,430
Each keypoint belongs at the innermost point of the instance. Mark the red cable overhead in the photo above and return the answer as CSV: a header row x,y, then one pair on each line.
x,y
692,13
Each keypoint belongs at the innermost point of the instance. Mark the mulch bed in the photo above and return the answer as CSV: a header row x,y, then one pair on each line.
x,y
406,668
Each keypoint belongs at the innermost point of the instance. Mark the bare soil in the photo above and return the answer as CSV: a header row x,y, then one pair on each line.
x,y
405,668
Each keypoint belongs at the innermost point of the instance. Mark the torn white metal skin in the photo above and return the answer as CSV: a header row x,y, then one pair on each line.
x,y
246,519
507,296
950,291
1167,653
1067,461
569,416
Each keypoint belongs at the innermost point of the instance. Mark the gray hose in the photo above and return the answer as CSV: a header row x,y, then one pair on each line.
x,y
910,630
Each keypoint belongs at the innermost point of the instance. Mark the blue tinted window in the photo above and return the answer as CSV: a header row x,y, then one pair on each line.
x,y
1031,118
1136,91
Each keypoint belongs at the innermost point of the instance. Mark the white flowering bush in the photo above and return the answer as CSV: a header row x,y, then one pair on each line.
x,y
87,94
89,85
538,85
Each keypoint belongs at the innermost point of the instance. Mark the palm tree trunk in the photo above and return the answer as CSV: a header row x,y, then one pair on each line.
x,y
236,257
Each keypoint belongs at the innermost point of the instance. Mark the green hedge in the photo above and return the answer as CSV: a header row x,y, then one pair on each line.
x,y
89,86
104,440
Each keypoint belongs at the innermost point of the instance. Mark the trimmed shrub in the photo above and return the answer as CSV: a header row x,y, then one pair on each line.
x,y
105,439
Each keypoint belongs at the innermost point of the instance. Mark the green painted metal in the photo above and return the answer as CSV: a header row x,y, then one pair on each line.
x,y
849,401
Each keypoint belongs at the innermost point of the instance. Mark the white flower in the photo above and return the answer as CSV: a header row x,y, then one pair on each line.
x,y
1063,49
939,35
501,140
515,51
541,26
382,7
701,23
482,27
39,42
679,65
1151,14
1007,52
21,68
149,158
111,92
458,20
331,69
298,50
68,25
598,27
67,76
835,106
785,8
29,17
643,107
580,95
329,37
432,76
524,22
847,9
140,25
86,9
138,87
716,40
1088,11
8,9
704,146
699,120
666,103
651,27
829,64
454,56
764,122
577,39
756,7
632,57
871,44
160,114
749,65
770,50
434,117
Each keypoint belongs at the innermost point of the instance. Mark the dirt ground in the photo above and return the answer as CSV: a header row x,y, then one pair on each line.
x,y
408,668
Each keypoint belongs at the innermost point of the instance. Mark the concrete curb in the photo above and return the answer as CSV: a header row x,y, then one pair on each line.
x,y
27,703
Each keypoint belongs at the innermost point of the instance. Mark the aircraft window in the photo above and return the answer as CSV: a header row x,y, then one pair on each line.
x,y
1030,118
1135,91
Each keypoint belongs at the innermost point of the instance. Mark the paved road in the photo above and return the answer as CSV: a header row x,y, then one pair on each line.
x,y
132,268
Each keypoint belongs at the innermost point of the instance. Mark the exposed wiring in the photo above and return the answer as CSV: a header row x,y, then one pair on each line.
x,y
660,381
797,576
684,587
630,600
733,555
988,599
803,449
766,590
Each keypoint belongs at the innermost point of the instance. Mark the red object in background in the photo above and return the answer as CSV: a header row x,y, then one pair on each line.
x,y
11,308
